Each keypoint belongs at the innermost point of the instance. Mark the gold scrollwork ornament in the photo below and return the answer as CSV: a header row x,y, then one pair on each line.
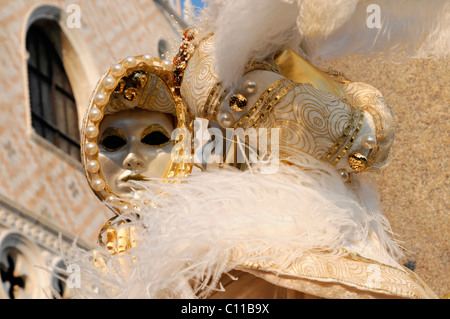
x,y
238,102
358,162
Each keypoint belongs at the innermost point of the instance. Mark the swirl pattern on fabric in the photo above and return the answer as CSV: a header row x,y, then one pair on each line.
x,y
310,121
351,270
200,76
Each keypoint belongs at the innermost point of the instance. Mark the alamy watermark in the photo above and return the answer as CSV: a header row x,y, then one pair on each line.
x,y
212,145
73,20
373,18
73,280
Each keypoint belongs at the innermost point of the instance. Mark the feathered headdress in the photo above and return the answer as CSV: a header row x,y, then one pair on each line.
x,y
324,29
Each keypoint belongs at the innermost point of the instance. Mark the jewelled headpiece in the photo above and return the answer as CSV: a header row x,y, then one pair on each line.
x,y
319,114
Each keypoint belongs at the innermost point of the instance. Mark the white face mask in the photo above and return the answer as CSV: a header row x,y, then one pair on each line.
x,y
134,145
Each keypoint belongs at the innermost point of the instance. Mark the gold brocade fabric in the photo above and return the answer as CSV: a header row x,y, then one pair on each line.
x,y
155,95
307,105
310,121
199,79
369,99
350,276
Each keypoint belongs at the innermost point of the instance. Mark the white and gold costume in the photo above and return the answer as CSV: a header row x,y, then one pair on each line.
x,y
310,229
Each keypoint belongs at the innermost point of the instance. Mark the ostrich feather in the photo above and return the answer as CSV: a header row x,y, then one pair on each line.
x,y
321,30
194,228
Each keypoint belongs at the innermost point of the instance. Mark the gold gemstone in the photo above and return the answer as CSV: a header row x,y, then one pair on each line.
x,y
358,162
131,94
139,79
238,102
120,86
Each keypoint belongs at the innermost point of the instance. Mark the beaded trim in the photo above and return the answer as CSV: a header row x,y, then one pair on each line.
x,y
269,106
276,86
347,139
214,100
181,59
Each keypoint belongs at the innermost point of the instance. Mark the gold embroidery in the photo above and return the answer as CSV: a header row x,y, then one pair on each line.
x,y
311,122
214,100
273,88
369,99
347,139
269,106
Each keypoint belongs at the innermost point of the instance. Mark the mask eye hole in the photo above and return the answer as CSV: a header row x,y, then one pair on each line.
x,y
156,139
112,140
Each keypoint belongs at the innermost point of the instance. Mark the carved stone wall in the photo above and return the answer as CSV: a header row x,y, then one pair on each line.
x,y
43,192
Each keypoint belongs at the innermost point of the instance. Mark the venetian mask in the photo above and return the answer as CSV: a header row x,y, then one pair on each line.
x,y
134,145
128,133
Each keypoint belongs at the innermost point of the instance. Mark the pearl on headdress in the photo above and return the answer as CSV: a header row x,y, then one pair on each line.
x,y
109,82
91,131
92,167
100,99
91,148
369,141
249,86
95,115
147,58
130,62
117,70
166,65
226,119
345,176
98,185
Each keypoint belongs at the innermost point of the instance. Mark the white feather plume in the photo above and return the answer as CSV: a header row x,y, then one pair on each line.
x,y
407,29
245,29
199,223
323,29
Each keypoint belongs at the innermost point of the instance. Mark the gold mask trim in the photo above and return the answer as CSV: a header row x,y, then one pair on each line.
x,y
156,128
111,131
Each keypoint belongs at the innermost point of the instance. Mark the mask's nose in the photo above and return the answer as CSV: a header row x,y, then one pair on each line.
x,y
133,162
137,158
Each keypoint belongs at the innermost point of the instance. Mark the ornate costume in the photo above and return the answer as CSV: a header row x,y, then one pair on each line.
x,y
296,218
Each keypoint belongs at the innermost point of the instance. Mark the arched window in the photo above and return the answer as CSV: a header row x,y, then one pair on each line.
x,y
20,275
53,108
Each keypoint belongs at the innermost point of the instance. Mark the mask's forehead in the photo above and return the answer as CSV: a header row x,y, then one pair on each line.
x,y
143,90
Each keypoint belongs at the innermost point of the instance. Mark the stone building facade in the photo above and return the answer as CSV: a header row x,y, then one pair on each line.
x,y
45,201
